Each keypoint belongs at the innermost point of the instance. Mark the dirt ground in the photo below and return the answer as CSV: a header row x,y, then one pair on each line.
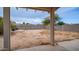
x,y
29,38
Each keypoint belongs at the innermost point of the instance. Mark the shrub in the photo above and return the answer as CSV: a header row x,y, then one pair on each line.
x,y
13,26
1,25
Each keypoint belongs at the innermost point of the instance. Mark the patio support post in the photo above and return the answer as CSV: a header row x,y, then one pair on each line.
x,y
52,21
6,27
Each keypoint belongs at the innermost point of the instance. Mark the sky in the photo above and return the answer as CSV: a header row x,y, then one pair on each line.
x,y
67,14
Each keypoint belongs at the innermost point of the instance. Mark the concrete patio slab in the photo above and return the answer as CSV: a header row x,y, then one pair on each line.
x,y
72,45
44,48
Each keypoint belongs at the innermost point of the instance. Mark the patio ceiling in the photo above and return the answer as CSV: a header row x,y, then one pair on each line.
x,y
41,8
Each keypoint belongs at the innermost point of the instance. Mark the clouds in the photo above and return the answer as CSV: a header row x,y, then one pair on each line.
x,y
28,16
27,13
29,20
69,15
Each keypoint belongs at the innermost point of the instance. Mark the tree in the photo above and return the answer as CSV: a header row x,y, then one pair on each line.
x,y
27,23
60,23
57,18
23,23
47,20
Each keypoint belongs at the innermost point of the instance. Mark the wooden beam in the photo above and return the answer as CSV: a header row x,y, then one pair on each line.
x,y
52,21
47,9
6,27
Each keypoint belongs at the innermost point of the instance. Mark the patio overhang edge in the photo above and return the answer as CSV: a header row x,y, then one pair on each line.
x,y
41,8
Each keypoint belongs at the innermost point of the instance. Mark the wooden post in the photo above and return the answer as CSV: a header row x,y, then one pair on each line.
x,y
6,27
52,21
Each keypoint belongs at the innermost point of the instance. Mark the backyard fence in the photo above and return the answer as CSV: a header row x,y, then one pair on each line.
x,y
71,28
31,27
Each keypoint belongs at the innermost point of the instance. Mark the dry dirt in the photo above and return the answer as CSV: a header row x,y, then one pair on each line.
x,y
29,38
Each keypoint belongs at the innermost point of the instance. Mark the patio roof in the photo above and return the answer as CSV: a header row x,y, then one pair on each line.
x,y
41,8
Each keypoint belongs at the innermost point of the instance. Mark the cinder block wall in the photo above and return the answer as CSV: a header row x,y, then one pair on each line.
x,y
31,27
72,28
